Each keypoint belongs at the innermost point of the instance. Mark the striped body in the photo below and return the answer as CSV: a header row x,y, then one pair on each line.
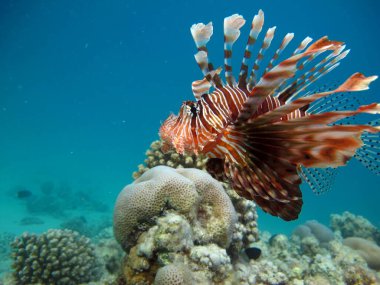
x,y
207,125
257,131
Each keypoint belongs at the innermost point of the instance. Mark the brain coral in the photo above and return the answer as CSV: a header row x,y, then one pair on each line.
x,y
156,157
190,192
61,257
173,274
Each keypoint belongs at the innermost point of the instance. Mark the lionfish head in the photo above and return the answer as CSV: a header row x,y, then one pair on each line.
x,y
175,132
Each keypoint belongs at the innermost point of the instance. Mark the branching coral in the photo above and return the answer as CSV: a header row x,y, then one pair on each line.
x,y
59,257
246,230
155,157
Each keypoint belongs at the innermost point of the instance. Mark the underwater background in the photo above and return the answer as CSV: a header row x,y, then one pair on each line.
x,y
84,86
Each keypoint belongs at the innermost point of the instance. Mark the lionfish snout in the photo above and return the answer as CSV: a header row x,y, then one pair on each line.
x,y
166,133
176,131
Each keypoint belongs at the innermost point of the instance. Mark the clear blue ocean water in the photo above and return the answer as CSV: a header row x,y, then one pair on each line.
x,y
85,84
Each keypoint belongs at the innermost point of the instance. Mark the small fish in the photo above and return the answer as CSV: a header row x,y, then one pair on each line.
x,y
23,194
253,252
264,132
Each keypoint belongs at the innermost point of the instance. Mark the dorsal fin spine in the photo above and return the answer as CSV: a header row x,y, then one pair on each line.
x,y
256,27
266,44
278,52
232,25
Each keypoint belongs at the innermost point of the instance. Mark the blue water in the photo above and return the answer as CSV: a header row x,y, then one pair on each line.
x,y
85,84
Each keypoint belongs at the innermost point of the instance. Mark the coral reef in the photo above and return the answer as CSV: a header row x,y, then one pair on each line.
x,y
350,225
156,157
59,257
298,261
313,230
182,216
111,255
160,222
246,229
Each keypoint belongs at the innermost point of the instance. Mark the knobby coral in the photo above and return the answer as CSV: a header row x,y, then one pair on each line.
x,y
61,257
155,156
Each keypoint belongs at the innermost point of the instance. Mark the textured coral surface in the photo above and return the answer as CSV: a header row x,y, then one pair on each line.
x,y
59,257
155,157
190,192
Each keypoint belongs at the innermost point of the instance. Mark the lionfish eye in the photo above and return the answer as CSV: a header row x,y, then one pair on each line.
x,y
193,110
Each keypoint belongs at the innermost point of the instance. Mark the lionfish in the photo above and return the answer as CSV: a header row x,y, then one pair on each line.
x,y
264,133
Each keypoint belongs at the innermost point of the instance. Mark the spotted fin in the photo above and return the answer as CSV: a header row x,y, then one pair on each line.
x,y
356,82
369,153
320,180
